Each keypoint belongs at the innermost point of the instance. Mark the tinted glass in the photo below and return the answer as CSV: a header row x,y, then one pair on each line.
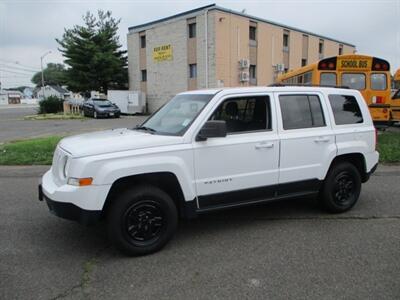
x,y
378,82
316,111
345,109
295,111
244,114
328,79
354,81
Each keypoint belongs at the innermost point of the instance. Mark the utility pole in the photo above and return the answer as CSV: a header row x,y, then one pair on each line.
x,y
41,66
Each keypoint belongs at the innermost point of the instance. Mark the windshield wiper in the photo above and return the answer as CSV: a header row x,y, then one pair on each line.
x,y
148,129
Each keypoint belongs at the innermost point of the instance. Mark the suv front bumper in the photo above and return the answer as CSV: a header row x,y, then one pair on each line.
x,y
82,204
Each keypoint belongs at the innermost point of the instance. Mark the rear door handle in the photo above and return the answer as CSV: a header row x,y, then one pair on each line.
x,y
264,145
322,140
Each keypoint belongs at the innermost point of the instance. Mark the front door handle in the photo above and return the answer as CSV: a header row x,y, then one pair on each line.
x,y
322,140
264,145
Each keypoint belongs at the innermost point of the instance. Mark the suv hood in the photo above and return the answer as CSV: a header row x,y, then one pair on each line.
x,y
114,140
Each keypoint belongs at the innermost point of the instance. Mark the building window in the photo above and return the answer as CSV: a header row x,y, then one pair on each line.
x,y
144,75
286,41
252,33
321,48
142,41
252,72
192,70
340,49
192,30
303,62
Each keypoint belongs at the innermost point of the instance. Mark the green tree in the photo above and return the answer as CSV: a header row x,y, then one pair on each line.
x,y
93,54
53,74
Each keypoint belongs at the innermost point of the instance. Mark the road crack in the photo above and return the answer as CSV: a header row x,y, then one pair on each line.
x,y
84,284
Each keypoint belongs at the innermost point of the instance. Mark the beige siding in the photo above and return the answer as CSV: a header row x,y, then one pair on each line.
x,y
295,55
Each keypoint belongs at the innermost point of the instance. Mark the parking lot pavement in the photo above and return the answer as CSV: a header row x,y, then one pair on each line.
x,y
279,250
14,127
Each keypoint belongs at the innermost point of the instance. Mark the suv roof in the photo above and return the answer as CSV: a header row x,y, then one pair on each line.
x,y
229,90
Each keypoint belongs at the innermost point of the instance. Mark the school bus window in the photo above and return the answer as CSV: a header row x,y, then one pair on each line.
x,y
378,82
328,79
354,80
308,78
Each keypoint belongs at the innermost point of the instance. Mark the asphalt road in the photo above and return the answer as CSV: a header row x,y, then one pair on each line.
x,y
280,250
14,127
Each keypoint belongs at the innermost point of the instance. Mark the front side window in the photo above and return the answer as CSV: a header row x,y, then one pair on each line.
x,y
328,79
345,109
175,117
301,111
378,82
244,114
354,81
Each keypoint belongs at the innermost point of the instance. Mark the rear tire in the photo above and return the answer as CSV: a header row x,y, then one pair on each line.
x,y
341,188
142,220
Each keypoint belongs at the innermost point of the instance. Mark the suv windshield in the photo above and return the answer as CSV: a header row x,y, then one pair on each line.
x,y
102,103
175,117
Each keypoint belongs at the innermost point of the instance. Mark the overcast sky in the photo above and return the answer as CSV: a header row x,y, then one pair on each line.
x,y
29,28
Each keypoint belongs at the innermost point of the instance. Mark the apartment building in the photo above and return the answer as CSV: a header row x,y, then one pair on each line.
x,y
211,47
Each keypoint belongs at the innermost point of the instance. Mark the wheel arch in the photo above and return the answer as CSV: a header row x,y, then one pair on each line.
x,y
357,159
166,181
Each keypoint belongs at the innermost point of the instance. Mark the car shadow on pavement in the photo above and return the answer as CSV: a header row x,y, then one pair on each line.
x,y
74,237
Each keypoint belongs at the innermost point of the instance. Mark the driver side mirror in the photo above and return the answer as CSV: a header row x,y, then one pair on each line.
x,y
212,129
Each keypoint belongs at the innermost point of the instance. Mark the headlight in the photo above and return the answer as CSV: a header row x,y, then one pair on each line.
x,y
66,167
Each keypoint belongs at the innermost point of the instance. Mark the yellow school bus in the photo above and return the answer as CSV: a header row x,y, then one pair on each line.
x,y
395,103
370,75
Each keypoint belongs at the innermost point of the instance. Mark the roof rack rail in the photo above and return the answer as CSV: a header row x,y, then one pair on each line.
x,y
309,85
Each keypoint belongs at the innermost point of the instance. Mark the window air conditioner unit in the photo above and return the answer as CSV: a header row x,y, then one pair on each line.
x,y
244,63
280,67
244,76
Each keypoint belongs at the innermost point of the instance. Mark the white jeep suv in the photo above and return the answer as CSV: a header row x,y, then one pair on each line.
x,y
214,149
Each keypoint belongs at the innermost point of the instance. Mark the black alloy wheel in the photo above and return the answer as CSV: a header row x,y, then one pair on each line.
x,y
341,188
144,222
141,220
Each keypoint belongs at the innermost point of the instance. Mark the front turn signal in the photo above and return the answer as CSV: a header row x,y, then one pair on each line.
x,y
80,181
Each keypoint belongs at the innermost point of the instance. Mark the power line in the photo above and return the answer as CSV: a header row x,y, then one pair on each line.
x,y
18,64
18,68
7,71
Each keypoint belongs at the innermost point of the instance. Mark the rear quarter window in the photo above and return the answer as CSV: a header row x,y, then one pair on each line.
x,y
345,109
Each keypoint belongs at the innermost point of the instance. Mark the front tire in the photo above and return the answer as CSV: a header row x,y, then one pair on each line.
x,y
142,220
341,188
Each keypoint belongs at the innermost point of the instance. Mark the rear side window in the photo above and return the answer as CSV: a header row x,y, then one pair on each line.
x,y
345,109
301,111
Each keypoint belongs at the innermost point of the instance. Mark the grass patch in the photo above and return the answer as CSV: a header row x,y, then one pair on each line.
x,y
389,147
58,116
37,151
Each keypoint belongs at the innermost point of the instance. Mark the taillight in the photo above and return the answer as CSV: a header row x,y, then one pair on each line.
x,y
378,99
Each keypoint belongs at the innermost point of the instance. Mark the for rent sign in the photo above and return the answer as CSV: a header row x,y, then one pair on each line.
x,y
162,53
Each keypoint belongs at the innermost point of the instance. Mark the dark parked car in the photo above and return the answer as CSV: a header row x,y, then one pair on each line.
x,y
98,108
